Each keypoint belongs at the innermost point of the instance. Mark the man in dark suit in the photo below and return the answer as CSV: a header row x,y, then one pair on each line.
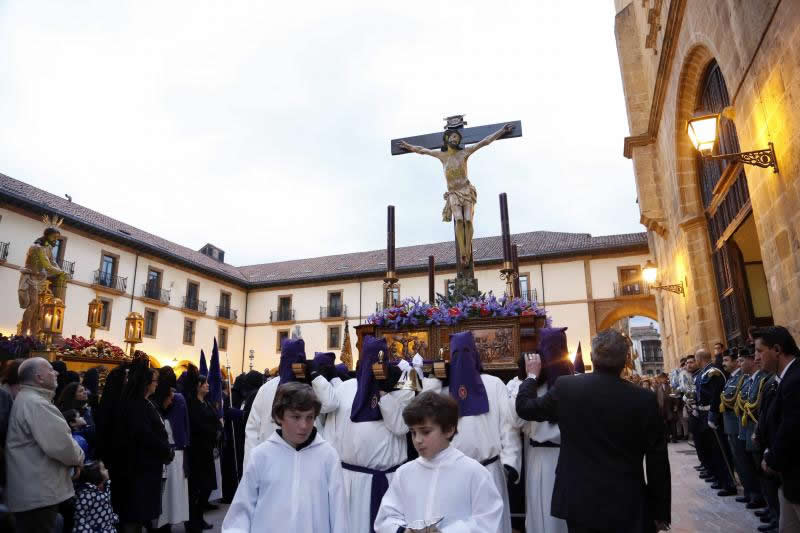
x,y
609,428
781,426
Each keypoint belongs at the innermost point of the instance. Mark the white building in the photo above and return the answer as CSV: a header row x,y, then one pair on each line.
x,y
188,297
647,344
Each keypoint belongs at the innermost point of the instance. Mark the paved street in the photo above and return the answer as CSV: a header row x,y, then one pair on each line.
x,y
695,506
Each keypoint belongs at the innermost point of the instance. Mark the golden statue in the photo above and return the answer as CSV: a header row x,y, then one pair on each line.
x,y
347,351
40,272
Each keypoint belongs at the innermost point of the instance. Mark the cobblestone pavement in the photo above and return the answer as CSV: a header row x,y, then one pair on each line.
x,y
696,508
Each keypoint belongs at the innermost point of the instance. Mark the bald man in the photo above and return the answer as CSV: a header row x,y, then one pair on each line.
x,y
41,455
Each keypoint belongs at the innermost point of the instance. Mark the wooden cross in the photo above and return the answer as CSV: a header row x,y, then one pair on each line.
x,y
434,141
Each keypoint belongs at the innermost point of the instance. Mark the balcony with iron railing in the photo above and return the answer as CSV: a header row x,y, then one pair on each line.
x,y
4,250
631,288
154,293
194,305
333,312
282,315
105,280
225,312
67,266
529,295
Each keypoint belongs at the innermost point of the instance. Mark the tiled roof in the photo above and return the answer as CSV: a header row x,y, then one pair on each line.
x,y
531,245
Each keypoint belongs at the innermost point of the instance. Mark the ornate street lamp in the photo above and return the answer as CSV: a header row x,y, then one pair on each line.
x,y
704,130
650,274
134,328
94,320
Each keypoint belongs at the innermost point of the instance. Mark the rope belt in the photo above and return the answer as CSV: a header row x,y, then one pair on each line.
x,y
487,462
545,444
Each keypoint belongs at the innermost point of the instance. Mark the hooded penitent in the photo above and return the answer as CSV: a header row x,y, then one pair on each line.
x,y
553,350
324,359
365,404
466,385
342,371
292,351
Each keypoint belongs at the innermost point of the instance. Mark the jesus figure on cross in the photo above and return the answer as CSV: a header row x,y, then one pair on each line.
x,y
461,195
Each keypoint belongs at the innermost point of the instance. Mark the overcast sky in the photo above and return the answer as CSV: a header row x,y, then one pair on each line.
x,y
264,127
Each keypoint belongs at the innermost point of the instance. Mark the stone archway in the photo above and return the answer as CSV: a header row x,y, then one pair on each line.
x,y
609,312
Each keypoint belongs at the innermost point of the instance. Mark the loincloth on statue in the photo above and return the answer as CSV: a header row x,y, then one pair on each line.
x,y
466,197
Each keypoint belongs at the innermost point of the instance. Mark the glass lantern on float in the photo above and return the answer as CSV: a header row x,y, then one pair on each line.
x,y
51,318
94,319
134,328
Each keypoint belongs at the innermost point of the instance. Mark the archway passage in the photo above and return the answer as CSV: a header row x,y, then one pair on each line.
x,y
610,313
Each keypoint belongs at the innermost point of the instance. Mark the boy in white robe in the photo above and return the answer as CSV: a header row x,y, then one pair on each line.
x,y
543,439
443,487
293,481
485,426
259,424
369,433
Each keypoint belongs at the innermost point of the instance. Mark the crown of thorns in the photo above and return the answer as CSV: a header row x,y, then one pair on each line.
x,y
52,223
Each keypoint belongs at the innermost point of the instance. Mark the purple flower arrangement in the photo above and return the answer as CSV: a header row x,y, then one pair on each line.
x,y
411,312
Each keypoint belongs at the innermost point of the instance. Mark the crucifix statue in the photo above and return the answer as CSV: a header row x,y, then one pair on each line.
x,y
453,148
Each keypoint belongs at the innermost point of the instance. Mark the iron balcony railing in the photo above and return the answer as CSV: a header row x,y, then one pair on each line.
x,y
194,304
338,311
529,296
227,313
281,315
106,279
632,288
68,267
154,292
4,250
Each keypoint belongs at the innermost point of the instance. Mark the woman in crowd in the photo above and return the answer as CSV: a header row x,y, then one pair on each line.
x,y
175,497
141,451
205,425
75,396
10,380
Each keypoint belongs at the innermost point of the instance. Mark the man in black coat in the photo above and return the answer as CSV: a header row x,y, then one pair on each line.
x,y
609,428
781,426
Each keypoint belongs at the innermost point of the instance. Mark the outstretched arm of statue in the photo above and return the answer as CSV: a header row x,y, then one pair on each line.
x,y
47,264
418,149
508,128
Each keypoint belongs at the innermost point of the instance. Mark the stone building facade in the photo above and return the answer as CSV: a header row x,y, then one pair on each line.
x,y
730,233
189,296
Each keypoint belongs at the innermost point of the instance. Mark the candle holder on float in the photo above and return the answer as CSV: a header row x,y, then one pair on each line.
x,y
94,319
51,317
134,328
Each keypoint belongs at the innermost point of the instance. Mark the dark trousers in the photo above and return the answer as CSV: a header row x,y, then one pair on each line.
x,y
720,456
575,528
769,486
40,520
198,497
744,466
701,444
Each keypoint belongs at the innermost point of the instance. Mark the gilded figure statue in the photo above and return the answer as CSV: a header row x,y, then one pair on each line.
x,y
39,273
461,196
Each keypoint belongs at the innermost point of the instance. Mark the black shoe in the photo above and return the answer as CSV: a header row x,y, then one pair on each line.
x,y
762,512
716,486
758,504
710,480
206,525
727,492
772,526
743,499
705,475
699,467
766,519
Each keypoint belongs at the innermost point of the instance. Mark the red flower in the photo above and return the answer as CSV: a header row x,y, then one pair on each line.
x,y
484,312
453,312
527,312
429,312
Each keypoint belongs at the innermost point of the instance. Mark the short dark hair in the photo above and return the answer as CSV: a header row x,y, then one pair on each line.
x,y
690,356
91,473
683,360
11,373
294,396
777,336
719,344
441,409
610,351
731,353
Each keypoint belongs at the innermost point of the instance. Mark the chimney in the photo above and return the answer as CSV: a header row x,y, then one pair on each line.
x,y
213,252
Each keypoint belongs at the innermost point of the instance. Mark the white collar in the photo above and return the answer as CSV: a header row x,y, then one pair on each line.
x,y
445,456
736,371
779,378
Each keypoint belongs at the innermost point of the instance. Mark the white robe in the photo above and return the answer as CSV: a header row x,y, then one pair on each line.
x,y
540,469
260,425
491,434
284,489
378,445
452,486
175,496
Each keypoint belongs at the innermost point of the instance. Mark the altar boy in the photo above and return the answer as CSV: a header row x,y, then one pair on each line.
x,y
293,481
442,487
